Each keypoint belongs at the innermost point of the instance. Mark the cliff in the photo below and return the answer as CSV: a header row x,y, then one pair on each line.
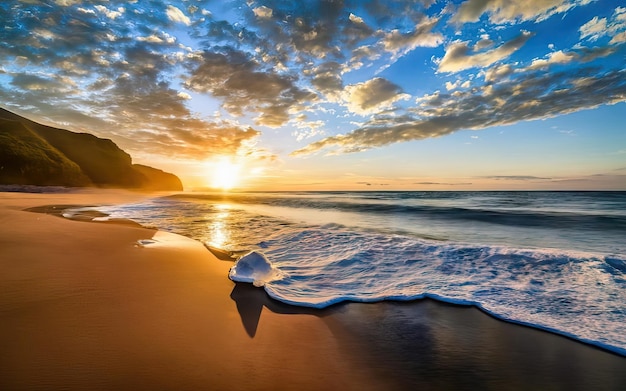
x,y
35,154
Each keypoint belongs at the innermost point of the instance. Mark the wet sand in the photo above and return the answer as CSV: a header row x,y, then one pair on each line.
x,y
115,306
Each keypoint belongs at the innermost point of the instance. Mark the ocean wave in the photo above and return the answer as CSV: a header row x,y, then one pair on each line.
x,y
567,274
579,295
498,208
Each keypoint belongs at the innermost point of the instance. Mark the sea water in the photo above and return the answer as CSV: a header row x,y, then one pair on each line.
x,y
551,260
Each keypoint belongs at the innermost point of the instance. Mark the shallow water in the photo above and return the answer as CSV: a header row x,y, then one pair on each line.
x,y
552,260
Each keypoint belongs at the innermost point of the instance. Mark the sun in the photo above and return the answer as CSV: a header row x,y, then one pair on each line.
x,y
225,174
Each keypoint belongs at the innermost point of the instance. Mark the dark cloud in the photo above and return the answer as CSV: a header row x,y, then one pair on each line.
x,y
356,30
443,183
326,78
517,178
244,85
49,83
372,184
310,30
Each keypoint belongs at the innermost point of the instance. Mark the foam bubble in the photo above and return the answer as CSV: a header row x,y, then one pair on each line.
x,y
253,268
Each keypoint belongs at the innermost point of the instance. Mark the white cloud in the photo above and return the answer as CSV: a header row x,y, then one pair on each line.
x,y
457,84
373,95
184,95
356,19
400,43
307,129
593,29
108,13
263,12
597,28
86,11
177,16
558,57
66,3
619,38
458,57
531,95
507,11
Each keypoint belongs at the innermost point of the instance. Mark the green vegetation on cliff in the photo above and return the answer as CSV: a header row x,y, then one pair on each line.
x,y
27,159
35,154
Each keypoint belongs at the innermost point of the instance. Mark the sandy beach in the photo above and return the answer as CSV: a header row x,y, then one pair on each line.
x,y
105,306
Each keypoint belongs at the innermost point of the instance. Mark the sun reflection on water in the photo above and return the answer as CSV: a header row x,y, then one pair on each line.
x,y
218,230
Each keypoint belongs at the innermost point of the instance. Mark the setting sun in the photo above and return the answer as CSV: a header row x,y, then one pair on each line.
x,y
225,174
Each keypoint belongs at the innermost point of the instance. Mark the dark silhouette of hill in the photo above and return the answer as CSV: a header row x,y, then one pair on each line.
x,y
36,154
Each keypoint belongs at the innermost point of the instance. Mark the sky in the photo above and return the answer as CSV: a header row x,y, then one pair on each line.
x,y
333,95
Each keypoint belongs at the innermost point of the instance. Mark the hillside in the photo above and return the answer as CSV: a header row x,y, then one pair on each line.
x,y
35,154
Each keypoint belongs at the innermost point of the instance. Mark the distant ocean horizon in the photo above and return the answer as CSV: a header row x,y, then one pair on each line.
x,y
554,260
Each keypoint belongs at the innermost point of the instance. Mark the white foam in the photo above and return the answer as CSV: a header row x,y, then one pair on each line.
x,y
253,268
523,274
575,294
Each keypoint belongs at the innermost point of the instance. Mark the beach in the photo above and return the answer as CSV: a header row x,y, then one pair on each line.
x,y
103,306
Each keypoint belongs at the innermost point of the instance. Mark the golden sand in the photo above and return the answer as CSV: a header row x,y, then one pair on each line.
x,y
96,306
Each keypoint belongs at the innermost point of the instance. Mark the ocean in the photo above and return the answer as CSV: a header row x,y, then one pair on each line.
x,y
550,260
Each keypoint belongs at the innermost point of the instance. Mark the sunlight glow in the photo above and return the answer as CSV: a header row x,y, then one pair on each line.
x,y
225,174
219,235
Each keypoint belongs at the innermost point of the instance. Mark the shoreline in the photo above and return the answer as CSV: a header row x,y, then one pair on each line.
x,y
85,306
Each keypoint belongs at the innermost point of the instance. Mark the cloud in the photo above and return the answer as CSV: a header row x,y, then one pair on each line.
x,y
372,184
593,29
313,29
360,54
260,68
458,57
484,43
516,178
497,73
177,16
443,183
109,77
329,30
401,43
49,83
244,85
580,54
110,13
506,11
356,30
558,57
122,71
263,12
619,38
457,84
307,129
597,28
529,96
373,95
66,3
326,78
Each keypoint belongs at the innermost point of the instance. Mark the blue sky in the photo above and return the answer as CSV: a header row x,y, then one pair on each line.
x,y
325,95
